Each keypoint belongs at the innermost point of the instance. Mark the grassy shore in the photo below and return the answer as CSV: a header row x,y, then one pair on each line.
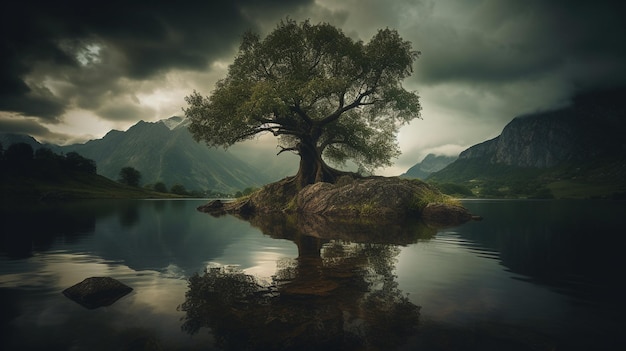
x,y
71,185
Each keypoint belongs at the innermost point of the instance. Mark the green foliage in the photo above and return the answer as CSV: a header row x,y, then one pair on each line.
x,y
160,187
245,192
19,153
21,159
453,189
484,179
313,87
179,189
79,163
46,175
249,190
129,176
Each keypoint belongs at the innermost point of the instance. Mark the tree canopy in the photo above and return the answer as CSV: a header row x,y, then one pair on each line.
x,y
130,176
324,96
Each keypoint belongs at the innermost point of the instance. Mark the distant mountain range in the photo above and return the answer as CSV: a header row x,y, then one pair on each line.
x,y
575,151
164,151
429,165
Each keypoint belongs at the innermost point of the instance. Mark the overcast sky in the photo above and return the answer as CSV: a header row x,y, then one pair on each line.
x,y
73,70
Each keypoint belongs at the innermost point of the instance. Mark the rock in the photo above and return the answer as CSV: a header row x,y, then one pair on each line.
x,y
377,198
96,292
215,207
373,197
445,215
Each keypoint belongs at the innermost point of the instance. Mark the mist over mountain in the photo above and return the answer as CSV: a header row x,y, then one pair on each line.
x,y
582,143
164,151
430,164
8,139
591,127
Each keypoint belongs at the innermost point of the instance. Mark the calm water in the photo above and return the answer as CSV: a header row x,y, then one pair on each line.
x,y
533,275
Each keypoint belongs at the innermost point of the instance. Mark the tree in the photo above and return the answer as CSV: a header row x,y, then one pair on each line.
x,y
321,93
179,189
45,154
160,187
74,161
129,176
19,153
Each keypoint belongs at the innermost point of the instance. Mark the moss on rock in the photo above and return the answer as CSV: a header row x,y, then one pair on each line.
x,y
381,198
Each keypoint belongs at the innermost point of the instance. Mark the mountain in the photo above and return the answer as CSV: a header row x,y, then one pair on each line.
x,y
164,151
8,139
578,148
430,164
262,156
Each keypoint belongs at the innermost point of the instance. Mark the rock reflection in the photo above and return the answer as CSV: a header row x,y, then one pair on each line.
x,y
339,293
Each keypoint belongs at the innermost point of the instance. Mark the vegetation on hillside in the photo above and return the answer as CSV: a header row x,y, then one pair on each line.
x,y
42,174
597,179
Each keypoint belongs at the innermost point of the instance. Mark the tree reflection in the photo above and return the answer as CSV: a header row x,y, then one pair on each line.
x,y
339,293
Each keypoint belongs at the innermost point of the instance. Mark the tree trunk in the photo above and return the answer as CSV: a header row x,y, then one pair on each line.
x,y
312,168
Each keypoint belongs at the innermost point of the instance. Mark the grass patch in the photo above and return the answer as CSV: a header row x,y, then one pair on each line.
x,y
72,185
572,189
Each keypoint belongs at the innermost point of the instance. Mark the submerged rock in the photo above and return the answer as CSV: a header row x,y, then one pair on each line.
x,y
97,292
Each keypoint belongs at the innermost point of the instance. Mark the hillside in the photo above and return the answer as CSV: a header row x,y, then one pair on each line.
x,y
55,177
165,152
429,165
71,186
577,151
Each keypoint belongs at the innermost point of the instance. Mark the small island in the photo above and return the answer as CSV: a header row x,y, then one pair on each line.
x,y
365,198
325,97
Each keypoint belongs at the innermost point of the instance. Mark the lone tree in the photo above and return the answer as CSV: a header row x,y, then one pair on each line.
x,y
322,94
130,176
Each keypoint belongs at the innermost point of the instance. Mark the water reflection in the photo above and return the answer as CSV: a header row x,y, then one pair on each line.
x,y
572,246
339,293
145,235
36,227
532,275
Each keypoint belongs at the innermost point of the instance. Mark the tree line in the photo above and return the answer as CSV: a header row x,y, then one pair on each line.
x,y
22,159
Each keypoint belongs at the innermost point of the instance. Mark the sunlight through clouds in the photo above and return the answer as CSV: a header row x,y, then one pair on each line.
x,y
482,62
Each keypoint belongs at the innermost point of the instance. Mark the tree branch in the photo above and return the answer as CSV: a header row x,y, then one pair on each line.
x,y
341,109
283,149
275,130
296,108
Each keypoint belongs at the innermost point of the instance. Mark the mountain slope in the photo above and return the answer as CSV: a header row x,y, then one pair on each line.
x,y
576,151
430,164
170,156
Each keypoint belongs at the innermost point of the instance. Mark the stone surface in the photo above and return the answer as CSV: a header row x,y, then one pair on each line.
x,y
96,292
445,215
379,198
214,207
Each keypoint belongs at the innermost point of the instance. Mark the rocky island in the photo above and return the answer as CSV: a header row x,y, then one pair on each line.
x,y
383,199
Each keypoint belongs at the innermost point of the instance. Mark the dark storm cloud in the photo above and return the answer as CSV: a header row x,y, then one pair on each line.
x,y
31,101
22,125
582,42
131,39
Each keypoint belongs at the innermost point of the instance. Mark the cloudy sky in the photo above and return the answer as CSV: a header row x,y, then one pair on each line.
x,y
71,71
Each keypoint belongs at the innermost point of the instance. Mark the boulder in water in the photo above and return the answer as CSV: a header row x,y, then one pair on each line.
x,y
96,292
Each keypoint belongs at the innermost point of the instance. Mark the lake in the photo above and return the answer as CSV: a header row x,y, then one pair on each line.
x,y
533,275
